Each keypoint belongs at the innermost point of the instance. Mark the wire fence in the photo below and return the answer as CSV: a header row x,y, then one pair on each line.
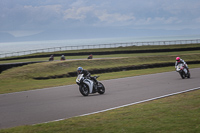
x,y
111,45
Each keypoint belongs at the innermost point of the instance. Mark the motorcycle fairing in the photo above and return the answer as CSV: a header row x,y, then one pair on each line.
x,y
179,68
185,70
89,83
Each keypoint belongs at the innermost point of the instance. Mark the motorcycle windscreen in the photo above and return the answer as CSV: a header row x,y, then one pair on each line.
x,y
79,78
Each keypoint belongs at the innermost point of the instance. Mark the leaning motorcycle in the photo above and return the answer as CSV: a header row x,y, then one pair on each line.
x,y
183,71
86,85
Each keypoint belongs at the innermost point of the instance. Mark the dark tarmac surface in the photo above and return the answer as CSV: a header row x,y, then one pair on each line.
x,y
49,104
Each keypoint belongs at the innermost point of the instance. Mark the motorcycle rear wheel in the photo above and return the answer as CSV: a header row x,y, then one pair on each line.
x,y
101,88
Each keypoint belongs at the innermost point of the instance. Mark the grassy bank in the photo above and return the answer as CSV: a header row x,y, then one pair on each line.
x,y
131,48
22,78
57,58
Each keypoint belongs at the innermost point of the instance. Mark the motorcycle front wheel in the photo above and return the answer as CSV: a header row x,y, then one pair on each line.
x,y
101,88
182,75
84,90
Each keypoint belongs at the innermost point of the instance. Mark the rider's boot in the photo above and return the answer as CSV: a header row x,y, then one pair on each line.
x,y
188,69
186,66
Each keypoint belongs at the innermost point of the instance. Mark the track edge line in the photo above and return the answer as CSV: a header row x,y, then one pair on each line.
x,y
147,100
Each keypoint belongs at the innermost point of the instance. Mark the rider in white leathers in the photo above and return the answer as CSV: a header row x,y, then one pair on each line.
x,y
85,73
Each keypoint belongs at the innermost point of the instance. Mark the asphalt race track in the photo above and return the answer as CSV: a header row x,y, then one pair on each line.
x,y
43,105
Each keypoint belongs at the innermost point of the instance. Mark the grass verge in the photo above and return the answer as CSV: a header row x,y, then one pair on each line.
x,y
174,114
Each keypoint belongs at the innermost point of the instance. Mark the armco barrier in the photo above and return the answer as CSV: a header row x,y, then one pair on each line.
x,y
112,45
106,53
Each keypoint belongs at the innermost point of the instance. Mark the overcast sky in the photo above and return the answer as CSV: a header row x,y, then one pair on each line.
x,y
26,17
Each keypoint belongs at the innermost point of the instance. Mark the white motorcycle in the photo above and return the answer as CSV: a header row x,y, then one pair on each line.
x,y
86,85
183,71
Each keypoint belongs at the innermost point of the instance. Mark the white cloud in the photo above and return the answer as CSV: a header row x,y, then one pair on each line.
x,y
157,20
172,20
31,15
78,3
41,13
20,33
113,17
77,13
101,17
185,7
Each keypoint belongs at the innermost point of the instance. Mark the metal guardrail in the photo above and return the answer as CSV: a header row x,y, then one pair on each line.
x,y
111,45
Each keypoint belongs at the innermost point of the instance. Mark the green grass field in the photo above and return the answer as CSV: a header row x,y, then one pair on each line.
x,y
175,114
22,78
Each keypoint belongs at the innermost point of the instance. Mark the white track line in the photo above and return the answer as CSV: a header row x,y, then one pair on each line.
x,y
151,99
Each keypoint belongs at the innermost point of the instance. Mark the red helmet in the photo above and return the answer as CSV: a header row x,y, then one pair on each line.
x,y
178,59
